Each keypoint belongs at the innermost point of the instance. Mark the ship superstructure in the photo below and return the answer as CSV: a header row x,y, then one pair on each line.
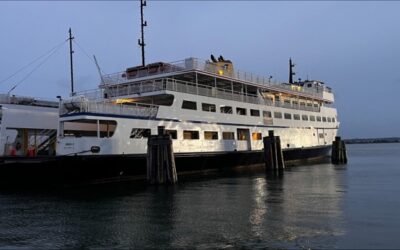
x,y
207,107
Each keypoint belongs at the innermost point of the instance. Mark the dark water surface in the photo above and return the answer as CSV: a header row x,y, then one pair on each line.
x,y
318,206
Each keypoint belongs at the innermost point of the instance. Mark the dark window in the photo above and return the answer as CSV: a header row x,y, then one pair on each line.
x,y
254,112
304,117
226,110
288,116
278,115
210,135
267,114
189,105
329,119
138,133
324,119
190,135
312,118
296,116
173,133
228,135
318,118
333,119
241,111
208,107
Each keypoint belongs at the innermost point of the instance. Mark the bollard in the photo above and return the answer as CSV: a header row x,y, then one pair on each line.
x,y
339,153
160,159
273,156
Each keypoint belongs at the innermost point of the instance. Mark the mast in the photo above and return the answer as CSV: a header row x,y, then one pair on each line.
x,y
71,61
142,24
291,73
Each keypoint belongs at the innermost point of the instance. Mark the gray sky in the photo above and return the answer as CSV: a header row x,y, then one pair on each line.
x,y
354,47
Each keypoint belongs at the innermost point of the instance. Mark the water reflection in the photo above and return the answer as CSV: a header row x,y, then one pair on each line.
x,y
302,208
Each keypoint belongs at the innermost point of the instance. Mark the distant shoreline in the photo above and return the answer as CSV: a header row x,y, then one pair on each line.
x,y
372,140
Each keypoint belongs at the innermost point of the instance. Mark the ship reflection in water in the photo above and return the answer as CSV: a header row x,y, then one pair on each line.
x,y
302,208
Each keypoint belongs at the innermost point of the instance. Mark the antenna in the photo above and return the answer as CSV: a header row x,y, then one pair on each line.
x,y
71,61
98,69
291,73
142,24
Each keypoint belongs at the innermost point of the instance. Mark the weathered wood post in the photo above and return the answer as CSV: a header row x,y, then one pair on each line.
x,y
273,156
339,153
160,159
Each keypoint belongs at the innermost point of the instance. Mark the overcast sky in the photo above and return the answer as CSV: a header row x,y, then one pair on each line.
x,y
354,47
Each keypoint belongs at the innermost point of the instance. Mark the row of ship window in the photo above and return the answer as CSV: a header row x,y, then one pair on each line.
x,y
207,107
242,134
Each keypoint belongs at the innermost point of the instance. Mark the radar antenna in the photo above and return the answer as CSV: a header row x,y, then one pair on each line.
x,y
291,73
142,24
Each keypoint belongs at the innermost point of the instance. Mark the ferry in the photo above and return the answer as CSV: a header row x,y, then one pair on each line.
x,y
28,126
216,116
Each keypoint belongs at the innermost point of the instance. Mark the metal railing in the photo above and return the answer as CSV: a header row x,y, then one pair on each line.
x,y
131,109
190,88
209,67
28,100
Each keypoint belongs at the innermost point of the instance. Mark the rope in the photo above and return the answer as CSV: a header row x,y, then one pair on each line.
x,y
34,69
86,54
35,60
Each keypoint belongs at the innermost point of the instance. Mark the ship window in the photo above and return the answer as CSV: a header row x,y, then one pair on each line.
x,y
318,118
190,135
241,111
296,116
329,119
312,118
286,101
242,134
88,128
333,119
316,105
267,118
256,136
324,119
288,116
254,112
208,107
210,135
267,114
189,105
138,133
304,117
173,133
309,104
278,115
226,109
303,104
295,103
228,136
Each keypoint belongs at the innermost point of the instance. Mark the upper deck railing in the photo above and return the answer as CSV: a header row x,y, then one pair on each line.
x,y
93,106
189,88
190,64
27,100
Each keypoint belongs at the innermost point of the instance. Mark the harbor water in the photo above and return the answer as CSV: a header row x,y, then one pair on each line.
x,y
315,206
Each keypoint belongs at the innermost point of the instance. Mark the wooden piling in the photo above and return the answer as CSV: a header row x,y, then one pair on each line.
x,y
339,153
273,156
160,159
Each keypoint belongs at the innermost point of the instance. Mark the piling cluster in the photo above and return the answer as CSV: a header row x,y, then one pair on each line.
x,y
160,159
339,153
273,155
